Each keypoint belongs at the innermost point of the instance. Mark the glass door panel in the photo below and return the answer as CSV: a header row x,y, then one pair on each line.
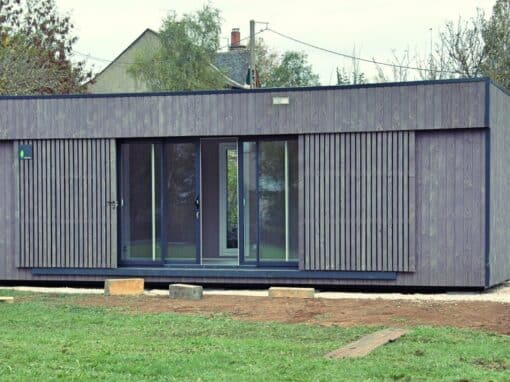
x,y
249,202
140,202
228,200
270,201
278,201
181,202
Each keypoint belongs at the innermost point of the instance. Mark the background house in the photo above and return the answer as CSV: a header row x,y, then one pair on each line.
x,y
115,78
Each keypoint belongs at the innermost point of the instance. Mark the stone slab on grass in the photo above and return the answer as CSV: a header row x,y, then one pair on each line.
x,y
6,300
367,344
291,292
186,291
123,287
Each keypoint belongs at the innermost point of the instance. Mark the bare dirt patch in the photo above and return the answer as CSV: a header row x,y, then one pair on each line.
x,y
478,315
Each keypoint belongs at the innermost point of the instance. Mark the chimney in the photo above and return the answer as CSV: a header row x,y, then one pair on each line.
x,y
235,39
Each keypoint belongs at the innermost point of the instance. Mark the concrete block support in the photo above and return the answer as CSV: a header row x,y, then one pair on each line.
x,y
186,291
291,292
123,287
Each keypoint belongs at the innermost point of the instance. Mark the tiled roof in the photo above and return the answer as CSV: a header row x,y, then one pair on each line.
x,y
234,64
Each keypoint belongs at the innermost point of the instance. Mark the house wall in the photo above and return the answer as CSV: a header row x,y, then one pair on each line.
x,y
450,209
410,107
450,165
115,77
7,217
358,201
63,194
449,222
499,210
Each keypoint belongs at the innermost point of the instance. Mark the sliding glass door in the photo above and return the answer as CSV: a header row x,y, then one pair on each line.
x,y
140,202
248,207
181,219
270,200
160,202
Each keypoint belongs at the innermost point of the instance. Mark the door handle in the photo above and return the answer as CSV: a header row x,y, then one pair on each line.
x,y
113,204
197,207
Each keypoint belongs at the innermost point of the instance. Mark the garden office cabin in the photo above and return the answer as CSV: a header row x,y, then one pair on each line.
x,y
401,184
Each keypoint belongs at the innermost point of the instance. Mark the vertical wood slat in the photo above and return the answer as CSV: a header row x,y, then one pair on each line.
x,y
301,201
63,219
325,256
18,175
358,201
411,213
341,212
347,213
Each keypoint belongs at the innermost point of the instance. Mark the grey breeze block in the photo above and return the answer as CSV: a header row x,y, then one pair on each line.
x,y
186,291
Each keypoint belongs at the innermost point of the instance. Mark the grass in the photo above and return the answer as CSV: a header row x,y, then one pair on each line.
x,y
44,340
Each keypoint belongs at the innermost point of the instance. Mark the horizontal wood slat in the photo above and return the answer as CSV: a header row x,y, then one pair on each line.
x,y
374,108
358,202
64,219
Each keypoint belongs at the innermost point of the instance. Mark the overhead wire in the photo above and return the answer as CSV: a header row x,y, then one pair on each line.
x,y
304,43
373,61
95,58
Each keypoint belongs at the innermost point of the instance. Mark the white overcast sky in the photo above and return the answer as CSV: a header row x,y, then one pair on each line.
x,y
375,27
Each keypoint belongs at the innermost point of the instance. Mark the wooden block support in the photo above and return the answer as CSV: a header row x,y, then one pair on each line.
x,y
123,287
366,344
186,291
291,292
7,300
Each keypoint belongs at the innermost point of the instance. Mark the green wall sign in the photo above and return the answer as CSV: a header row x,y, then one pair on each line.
x,y
25,152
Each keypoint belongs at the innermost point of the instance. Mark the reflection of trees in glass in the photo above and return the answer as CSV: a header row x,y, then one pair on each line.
x,y
272,190
138,193
180,191
232,215
272,193
250,200
180,167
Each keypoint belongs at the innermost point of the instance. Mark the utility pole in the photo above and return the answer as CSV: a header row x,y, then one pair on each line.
x,y
253,81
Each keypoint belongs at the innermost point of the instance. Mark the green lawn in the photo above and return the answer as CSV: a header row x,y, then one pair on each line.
x,y
41,340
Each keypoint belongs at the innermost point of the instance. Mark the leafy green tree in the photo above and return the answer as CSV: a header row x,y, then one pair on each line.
x,y
496,36
266,61
36,44
292,70
184,60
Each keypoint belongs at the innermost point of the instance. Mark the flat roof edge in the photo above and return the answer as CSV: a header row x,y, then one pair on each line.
x,y
258,90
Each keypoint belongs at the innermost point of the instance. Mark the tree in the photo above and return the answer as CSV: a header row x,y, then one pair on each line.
x,y
36,44
463,43
496,36
354,77
293,70
290,69
266,62
184,59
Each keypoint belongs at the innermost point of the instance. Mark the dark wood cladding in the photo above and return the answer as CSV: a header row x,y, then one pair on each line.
x,y
407,107
358,205
7,219
450,212
64,219
499,143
